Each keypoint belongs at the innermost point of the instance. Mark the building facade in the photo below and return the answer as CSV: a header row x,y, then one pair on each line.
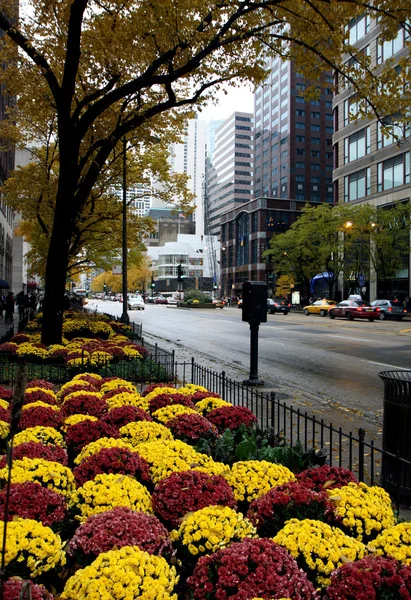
x,y
229,176
371,167
293,137
245,234
189,157
168,226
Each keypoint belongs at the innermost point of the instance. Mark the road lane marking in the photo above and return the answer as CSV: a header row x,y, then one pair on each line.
x,y
385,365
271,342
290,339
405,330
345,337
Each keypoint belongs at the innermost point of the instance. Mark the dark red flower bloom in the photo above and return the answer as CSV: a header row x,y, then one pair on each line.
x,y
163,400
84,405
231,417
192,427
20,338
83,433
326,477
4,414
7,348
41,383
39,396
154,386
77,387
250,569
39,416
37,450
117,528
113,460
372,578
94,380
12,590
31,500
6,394
118,417
187,491
201,395
291,500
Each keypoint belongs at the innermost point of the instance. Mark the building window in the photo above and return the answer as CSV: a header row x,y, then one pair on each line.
x,y
357,185
299,112
300,151
300,138
315,166
315,115
393,172
357,145
315,179
315,198
254,222
315,140
387,49
315,153
300,196
396,132
300,178
357,28
242,239
300,100
315,128
254,253
300,165
299,125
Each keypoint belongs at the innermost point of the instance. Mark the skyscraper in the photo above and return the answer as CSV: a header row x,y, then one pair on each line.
x,y
229,179
293,137
189,157
372,167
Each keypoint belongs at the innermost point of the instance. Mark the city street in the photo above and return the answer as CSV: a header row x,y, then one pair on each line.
x,y
313,359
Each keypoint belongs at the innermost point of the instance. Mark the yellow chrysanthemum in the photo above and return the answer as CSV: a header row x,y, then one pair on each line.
x,y
83,393
45,392
52,475
106,492
127,399
4,429
123,574
94,447
206,405
159,390
39,403
4,404
74,419
143,431
250,479
32,546
72,383
394,541
165,414
207,530
45,435
108,386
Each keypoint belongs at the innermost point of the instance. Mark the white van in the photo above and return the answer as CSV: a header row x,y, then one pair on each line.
x,y
135,303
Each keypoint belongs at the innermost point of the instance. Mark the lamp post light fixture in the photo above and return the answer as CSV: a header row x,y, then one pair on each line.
x,y
124,317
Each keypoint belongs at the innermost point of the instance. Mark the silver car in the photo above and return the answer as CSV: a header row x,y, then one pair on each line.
x,y
135,303
390,309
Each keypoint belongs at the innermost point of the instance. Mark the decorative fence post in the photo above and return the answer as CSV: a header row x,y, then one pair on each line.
x,y
361,436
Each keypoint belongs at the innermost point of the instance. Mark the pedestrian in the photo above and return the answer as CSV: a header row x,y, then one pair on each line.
x,y
9,308
310,300
33,305
2,304
20,301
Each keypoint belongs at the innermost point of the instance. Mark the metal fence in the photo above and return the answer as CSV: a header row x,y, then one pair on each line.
x,y
371,464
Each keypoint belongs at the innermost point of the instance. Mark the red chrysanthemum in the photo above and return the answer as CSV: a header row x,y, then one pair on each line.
x,y
92,379
77,387
4,414
120,416
31,500
187,491
201,395
13,588
20,338
83,433
37,450
41,383
326,477
163,400
6,394
372,578
250,569
38,395
154,386
291,500
117,528
192,427
113,460
39,416
116,391
7,348
231,417
84,405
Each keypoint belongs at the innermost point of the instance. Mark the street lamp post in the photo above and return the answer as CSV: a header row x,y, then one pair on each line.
x,y
124,317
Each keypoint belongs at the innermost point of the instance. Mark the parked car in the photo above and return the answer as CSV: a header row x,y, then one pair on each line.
x,y
135,303
160,300
319,307
390,309
353,309
172,301
278,305
150,300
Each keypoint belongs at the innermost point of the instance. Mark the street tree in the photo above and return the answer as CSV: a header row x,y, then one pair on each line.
x,y
93,72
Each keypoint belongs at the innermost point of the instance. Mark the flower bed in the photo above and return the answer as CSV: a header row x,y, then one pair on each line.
x,y
116,501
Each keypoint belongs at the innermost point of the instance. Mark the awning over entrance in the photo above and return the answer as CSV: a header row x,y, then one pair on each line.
x,y
4,285
32,284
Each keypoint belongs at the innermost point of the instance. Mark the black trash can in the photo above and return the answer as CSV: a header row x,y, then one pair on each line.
x,y
396,440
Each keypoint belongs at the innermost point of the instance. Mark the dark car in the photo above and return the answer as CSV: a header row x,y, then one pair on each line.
x,y
353,309
390,309
278,305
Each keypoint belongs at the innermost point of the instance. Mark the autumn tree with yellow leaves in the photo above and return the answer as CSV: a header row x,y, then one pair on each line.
x,y
89,73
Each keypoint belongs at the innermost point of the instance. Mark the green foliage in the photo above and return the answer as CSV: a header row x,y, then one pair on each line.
x,y
195,295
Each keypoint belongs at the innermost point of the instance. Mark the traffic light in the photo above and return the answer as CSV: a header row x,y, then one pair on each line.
x,y
215,286
179,272
153,285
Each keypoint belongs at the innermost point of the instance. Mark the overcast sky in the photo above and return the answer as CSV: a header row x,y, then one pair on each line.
x,y
236,99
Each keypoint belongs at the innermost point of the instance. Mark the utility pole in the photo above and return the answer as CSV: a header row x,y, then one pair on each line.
x,y
124,317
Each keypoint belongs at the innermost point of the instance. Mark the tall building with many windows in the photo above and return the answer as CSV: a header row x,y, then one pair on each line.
x,y
229,177
371,167
293,137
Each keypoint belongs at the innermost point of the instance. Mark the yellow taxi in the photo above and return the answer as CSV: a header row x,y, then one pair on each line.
x,y
319,307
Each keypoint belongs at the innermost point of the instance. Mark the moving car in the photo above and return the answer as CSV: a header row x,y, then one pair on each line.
x,y
172,301
219,303
160,300
389,309
135,303
240,303
319,307
353,309
278,305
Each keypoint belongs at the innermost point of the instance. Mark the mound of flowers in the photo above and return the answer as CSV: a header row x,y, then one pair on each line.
x,y
116,494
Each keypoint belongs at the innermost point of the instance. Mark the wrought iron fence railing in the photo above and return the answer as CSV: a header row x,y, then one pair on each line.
x,y
370,463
